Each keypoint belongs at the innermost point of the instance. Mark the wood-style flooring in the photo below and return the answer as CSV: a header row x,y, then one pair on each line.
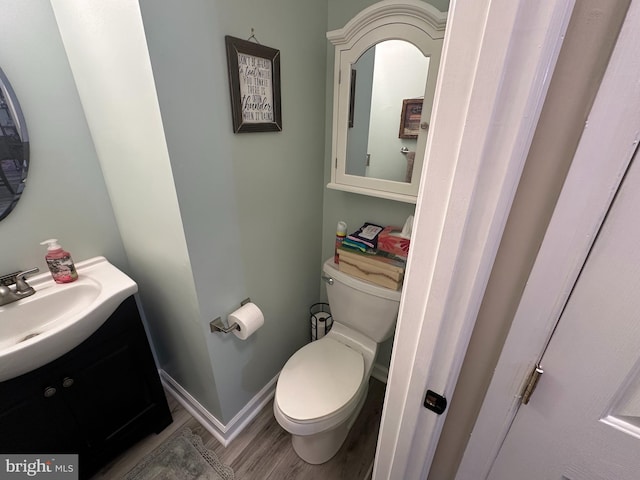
x,y
263,451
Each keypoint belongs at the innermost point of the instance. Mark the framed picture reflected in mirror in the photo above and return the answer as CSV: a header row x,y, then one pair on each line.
x,y
410,118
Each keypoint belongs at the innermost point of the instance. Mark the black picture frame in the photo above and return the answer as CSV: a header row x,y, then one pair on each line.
x,y
254,82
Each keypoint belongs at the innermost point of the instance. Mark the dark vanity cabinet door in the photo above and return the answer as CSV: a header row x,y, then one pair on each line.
x,y
33,417
107,393
96,400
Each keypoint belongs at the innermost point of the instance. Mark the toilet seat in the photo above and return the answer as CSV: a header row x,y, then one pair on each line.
x,y
320,380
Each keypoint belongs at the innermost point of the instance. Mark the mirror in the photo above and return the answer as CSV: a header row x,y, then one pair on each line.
x,y
386,99
14,148
386,62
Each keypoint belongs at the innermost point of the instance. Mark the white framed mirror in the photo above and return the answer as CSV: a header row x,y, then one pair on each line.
x,y
386,64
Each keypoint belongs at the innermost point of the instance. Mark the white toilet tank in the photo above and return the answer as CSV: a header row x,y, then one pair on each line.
x,y
370,309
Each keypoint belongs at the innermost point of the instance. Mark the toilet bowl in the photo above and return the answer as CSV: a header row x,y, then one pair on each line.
x,y
323,386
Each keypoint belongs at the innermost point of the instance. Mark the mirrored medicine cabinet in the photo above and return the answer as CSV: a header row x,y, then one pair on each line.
x,y
14,148
385,71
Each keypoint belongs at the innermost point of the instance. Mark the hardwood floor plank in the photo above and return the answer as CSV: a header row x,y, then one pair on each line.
x,y
264,453
243,440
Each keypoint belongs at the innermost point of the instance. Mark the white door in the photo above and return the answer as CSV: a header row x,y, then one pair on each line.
x,y
583,420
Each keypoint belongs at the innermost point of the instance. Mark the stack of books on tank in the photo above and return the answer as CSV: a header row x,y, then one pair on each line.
x,y
374,266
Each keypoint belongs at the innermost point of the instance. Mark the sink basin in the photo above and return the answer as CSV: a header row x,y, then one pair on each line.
x,y
58,317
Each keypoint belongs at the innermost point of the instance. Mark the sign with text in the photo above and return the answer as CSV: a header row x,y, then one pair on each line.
x,y
256,88
254,80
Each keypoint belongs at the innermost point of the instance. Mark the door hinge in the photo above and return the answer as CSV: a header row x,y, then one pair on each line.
x,y
531,384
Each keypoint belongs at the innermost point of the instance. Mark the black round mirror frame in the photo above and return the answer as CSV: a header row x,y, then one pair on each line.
x,y
14,148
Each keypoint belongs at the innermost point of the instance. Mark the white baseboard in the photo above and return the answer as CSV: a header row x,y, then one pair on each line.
x,y
226,433
223,433
380,372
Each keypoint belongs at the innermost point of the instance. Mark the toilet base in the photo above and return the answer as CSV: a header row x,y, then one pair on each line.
x,y
320,447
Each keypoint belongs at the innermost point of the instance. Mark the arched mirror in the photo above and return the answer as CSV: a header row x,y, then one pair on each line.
x,y
386,62
14,148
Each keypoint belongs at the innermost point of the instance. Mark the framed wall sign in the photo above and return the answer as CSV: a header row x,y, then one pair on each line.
x,y
254,80
410,118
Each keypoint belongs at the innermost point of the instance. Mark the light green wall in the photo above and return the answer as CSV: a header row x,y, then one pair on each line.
x,y
251,204
65,196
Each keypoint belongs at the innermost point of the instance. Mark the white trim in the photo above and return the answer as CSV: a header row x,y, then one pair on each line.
x,y
223,433
497,63
432,20
399,197
608,143
380,372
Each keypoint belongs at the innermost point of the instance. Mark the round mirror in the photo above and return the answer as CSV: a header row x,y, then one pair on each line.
x,y
14,148
387,92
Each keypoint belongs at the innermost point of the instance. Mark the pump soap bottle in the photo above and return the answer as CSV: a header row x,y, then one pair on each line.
x,y
60,263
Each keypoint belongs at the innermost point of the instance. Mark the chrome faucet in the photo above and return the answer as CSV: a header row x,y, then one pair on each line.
x,y
14,286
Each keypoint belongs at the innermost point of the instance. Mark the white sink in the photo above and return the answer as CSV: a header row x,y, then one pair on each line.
x,y
58,317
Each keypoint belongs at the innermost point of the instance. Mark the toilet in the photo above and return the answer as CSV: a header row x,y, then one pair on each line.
x,y
322,387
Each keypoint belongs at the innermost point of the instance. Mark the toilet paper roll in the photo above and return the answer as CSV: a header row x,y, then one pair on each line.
x,y
321,324
249,318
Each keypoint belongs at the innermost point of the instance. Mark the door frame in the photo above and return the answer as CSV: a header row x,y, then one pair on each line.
x,y
607,145
497,60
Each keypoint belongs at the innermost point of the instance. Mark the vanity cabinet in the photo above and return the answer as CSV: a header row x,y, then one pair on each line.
x,y
96,400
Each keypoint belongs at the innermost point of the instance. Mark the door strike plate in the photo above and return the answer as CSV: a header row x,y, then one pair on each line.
x,y
435,403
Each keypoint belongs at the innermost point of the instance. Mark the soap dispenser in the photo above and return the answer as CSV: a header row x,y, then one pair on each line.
x,y
60,263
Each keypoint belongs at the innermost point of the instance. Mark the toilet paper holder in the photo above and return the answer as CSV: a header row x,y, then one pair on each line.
x,y
217,325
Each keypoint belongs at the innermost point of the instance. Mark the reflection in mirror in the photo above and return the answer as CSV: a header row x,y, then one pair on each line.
x,y
383,78
14,148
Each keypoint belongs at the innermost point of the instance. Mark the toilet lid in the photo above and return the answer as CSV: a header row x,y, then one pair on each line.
x,y
319,379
